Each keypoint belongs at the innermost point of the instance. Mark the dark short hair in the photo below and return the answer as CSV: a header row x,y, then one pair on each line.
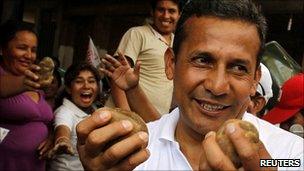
x,y
9,29
244,10
73,71
153,4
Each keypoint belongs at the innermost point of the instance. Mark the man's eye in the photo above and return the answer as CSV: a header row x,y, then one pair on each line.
x,y
202,60
172,11
161,10
240,68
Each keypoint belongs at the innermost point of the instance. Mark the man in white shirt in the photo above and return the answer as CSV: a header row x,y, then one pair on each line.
x,y
218,46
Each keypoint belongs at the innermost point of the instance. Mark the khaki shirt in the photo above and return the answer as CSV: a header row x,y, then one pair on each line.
x,y
145,44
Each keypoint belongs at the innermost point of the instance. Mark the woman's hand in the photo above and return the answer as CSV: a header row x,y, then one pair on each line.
x,y
30,81
46,146
63,145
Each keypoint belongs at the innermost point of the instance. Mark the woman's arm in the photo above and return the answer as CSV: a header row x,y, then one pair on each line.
x,y
62,141
11,85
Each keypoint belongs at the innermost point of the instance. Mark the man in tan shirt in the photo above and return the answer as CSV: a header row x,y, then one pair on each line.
x,y
148,44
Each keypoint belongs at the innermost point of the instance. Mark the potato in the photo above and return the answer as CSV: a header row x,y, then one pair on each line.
x,y
120,114
46,72
226,145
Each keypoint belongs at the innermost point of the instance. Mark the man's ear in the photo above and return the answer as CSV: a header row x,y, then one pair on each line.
x,y
169,63
259,104
257,77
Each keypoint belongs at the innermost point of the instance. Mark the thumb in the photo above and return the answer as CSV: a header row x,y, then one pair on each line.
x,y
137,67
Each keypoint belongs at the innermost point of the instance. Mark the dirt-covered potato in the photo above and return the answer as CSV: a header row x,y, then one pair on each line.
x,y
120,114
227,146
46,71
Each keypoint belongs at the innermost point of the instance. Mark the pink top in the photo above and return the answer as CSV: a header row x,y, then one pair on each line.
x,y
27,122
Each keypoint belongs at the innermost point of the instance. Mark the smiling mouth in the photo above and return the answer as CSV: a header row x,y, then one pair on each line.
x,y
86,95
211,107
166,23
25,63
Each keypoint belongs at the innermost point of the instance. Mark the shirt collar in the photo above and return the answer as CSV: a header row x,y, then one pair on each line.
x,y
160,37
168,129
78,112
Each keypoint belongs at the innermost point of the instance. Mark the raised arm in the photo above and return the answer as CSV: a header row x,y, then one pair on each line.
x,y
119,97
127,78
11,85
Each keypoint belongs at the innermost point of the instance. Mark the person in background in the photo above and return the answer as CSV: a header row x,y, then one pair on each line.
x,y
25,115
215,69
51,92
148,44
81,90
290,108
263,93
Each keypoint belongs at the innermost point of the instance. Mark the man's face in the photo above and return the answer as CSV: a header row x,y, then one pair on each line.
x,y
214,74
165,16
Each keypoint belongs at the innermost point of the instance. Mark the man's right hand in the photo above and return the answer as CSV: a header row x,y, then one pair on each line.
x,y
95,132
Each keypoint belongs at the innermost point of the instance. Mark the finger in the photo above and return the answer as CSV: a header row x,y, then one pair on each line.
x,y
109,66
137,67
98,119
203,164
108,73
120,150
246,150
100,137
112,60
263,153
215,156
34,67
30,85
41,145
43,150
123,60
134,160
31,75
70,150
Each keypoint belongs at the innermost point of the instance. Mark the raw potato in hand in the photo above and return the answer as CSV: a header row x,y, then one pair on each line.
x,y
120,114
227,146
46,71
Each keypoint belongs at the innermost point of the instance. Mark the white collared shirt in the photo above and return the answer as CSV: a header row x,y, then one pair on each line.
x,y
68,114
166,154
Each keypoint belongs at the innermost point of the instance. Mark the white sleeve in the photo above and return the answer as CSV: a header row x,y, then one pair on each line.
x,y
63,116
